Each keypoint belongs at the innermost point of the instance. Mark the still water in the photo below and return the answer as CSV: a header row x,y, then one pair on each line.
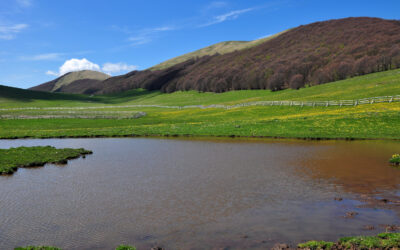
x,y
198,194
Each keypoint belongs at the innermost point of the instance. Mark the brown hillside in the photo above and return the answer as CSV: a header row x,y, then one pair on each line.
x,y
74,82
309,54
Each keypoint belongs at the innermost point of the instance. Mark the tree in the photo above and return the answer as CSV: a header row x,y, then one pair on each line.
x,y
296,81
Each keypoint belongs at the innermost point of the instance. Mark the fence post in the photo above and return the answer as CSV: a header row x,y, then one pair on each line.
x,y
391,99
356,103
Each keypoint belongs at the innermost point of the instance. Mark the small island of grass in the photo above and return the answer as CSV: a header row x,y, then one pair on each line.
x,y
381,241
14,158
395,160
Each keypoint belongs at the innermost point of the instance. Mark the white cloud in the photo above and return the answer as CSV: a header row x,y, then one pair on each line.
x,y
163,28
227,16
24,3
111,68
77,65
8,32
147,35
52,73
138,40
42,57
74,64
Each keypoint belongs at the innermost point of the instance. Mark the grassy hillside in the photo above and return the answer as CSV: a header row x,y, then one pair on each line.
x,y
363,121
371,85
307,55
81,78
310,54
218,48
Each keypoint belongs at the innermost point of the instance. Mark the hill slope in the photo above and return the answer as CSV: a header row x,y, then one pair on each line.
x,y
307,55
218,48
377,120
372,85
79,82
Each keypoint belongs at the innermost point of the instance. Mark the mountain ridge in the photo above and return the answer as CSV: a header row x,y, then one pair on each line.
x,y
71,82
307,55
217,48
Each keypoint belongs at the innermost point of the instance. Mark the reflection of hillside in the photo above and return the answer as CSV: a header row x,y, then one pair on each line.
x,y
357,167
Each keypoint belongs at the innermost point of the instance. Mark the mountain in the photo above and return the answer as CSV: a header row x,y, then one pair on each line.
x,y
218,48
79,82
304,56
89,82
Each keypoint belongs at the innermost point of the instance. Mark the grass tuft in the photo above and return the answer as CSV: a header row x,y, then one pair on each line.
x,y
395,159
315,245
380,241
125,247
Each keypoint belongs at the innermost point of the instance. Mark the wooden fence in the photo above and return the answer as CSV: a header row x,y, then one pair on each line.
x,y
340,103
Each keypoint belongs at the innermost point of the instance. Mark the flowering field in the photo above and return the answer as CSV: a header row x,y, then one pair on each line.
x,y
26,113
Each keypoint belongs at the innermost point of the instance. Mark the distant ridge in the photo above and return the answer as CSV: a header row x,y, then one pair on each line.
x,y
218,48
304,56
79,82
307,55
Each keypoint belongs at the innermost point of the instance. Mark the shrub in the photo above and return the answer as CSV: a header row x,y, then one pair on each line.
x,y
315,245
125,247
395,159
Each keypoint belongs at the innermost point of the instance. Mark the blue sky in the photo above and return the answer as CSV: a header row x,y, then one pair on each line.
x,y
40,39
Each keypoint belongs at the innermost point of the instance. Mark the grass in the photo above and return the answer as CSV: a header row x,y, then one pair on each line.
x,y
125,247
14,158
371,85
371,121
395,159
362,122
380,241
316,245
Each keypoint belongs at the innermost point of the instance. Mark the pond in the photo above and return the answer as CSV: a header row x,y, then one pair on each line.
x,y
200,193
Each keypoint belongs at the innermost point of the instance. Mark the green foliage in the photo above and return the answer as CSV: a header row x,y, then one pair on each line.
x,y
314,245
125,247
37,248
395,159
383,240
14,158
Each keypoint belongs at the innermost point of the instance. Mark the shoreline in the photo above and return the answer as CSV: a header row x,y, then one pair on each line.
x,y
202,136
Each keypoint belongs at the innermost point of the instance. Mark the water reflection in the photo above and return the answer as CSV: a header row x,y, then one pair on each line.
x,y
196,194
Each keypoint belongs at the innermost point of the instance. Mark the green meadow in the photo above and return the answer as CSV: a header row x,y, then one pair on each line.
x,y
369,121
